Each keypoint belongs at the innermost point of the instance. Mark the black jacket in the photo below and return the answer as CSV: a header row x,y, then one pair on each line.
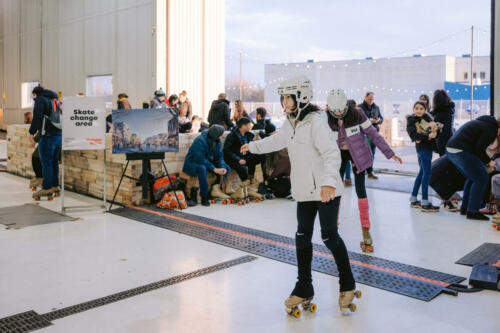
x,y
220,114
372,112
444,116
43,107
265,126
418,129
232,145
475,136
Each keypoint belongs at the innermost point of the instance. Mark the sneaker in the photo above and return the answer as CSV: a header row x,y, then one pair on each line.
x,y
371,175
489,209
348,182
450,206
416,204
477,216
429,208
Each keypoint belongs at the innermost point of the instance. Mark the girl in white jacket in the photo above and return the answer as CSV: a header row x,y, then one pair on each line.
x,y
316,186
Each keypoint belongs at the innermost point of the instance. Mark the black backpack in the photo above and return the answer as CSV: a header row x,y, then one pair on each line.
x,y
54,115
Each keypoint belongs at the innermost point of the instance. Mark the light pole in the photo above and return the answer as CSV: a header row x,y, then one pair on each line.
x,y
471,71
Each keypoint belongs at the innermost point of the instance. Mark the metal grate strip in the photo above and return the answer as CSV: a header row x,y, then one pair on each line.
x,y
404,279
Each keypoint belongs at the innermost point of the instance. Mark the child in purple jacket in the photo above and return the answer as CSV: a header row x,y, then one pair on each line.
x,y
351,127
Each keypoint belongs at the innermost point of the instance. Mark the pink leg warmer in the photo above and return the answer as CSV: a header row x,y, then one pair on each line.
x,y
364,214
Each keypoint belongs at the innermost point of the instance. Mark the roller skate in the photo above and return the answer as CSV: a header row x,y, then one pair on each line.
x,y
238,197
253,194
346,298
367,243
495,222
35,182
43,193
292,305
218,196
489,209
56,191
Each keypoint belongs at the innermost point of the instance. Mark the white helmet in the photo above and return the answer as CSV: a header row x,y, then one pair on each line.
x,y
336,102
301,88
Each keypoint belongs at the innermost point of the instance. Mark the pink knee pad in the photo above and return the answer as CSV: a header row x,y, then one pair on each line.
x,y
364,212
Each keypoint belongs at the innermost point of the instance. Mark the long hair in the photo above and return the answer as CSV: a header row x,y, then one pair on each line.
x,y
351,117
440,100
239,110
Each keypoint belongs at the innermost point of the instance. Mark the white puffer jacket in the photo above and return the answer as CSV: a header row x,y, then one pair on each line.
x,y
314,155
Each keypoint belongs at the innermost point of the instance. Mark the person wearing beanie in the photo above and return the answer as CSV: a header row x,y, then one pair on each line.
x,y
158,102
205,155
243,164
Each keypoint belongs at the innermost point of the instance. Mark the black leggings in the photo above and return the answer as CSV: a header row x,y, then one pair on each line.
x,y
359,178
249,168
37,165
328,215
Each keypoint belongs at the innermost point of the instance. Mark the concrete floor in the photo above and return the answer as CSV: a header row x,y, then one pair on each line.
x,y
61,264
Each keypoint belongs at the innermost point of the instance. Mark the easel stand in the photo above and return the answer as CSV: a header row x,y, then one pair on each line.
x,y
146,169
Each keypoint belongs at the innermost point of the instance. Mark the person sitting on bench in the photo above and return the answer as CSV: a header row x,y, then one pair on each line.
x,y
205,155
244,165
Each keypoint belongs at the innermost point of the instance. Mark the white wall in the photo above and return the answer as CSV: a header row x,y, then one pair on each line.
x,y
195,51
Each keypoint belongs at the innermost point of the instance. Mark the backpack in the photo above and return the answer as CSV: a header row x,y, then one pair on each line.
x,y
54,115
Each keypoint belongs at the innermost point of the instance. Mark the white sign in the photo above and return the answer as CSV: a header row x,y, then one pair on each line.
x,y
83,123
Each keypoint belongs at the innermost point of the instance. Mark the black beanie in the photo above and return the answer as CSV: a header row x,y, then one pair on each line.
x,y
243,121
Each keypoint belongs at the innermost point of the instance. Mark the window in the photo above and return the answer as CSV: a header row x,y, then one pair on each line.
x,y
482,75
101,85
26,96
474,76
466,76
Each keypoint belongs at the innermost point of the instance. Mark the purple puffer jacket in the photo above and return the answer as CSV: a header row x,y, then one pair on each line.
x,y
356,141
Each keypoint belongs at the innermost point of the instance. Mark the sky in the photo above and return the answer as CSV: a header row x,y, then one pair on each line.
x,y
144,122
272,31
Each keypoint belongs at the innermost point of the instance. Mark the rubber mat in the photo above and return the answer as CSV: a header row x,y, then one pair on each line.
x,y
403,279
29,215
30,320
488,253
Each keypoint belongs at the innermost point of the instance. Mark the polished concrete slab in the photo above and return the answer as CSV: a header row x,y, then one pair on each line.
x,y
55,265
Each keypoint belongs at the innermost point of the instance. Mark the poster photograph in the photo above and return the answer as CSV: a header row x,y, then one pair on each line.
x,y
83,123
145,131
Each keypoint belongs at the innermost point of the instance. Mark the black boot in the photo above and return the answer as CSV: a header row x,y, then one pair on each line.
x,y
205,201
477,216
193,197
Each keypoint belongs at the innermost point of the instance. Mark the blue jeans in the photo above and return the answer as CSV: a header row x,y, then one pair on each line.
x,y
373,149
424,176
348,170
49,149
202,171
477,179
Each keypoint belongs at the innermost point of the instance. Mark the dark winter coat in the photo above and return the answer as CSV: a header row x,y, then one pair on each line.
x,y
220,114
444,116
265,126
475,136
43,107
204,151
418,129
233,143
372,112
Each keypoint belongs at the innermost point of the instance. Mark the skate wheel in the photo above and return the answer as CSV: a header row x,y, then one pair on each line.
x,y
224,202
498,228
212,202
358,294
296,313
57,195
353,307
312,307
37,198
239,203
49,198
33,189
